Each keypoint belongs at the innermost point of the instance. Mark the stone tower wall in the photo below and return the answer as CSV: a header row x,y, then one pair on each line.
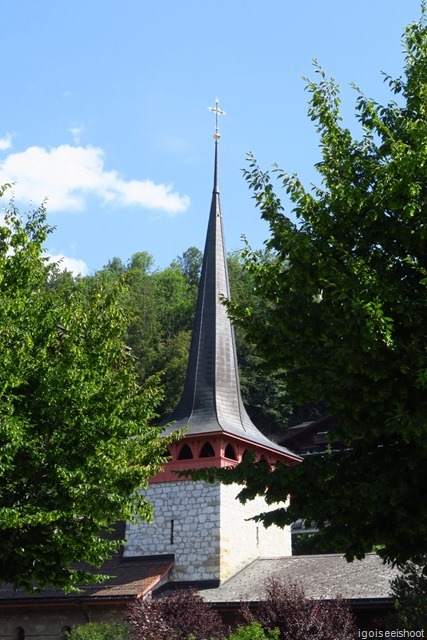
x,y
207,530
243,540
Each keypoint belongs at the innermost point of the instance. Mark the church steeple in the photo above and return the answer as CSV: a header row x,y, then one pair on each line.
x,y
211,535
211,402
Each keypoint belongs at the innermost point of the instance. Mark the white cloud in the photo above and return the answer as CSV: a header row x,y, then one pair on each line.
x,y
67,175
76,266
5,142
76,131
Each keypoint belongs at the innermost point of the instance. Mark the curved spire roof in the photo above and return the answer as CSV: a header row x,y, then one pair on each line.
x,y
211,401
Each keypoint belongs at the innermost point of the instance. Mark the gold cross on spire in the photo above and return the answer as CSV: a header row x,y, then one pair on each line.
x,y
217,111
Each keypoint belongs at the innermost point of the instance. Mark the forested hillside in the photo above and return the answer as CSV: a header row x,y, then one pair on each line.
x,y
162,304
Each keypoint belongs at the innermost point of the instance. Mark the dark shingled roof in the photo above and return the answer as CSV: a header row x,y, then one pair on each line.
x,y
211,401
321,576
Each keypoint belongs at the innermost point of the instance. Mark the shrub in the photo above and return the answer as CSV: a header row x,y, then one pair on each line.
x,y
177,616
254,631
298,617
100,631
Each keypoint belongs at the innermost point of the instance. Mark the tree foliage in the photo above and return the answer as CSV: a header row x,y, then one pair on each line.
x,y
410,591
177,616
343,307
264,392
254,631
296,616
191,265
99,631
76,440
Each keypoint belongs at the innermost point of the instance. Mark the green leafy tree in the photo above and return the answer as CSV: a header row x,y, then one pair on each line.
x,y
100,631
76,440
172,358
174,306
143,329
410,591
264,391
190,264
115,266
343,311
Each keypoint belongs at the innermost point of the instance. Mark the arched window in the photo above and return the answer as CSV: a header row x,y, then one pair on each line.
x,y
185,453
230,453
207,451
19,634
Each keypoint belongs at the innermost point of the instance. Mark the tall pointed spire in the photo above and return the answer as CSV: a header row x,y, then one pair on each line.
x,y
211,401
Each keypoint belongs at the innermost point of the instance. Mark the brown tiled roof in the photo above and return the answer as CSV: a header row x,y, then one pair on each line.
x,y
321,576
130,579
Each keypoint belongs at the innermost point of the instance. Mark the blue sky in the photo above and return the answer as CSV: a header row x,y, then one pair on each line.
x,y
104,109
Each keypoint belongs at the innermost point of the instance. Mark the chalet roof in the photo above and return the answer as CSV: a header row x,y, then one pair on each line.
x,y
211,401
294,435
321,576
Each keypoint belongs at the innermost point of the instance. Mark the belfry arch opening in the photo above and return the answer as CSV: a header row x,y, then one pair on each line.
x,y
207,451
230,453
185,453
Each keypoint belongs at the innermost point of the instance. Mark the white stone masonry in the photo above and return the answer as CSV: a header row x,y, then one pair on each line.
x,y
206,528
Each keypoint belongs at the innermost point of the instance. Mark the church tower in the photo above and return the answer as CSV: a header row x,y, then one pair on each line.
x,y
203,524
